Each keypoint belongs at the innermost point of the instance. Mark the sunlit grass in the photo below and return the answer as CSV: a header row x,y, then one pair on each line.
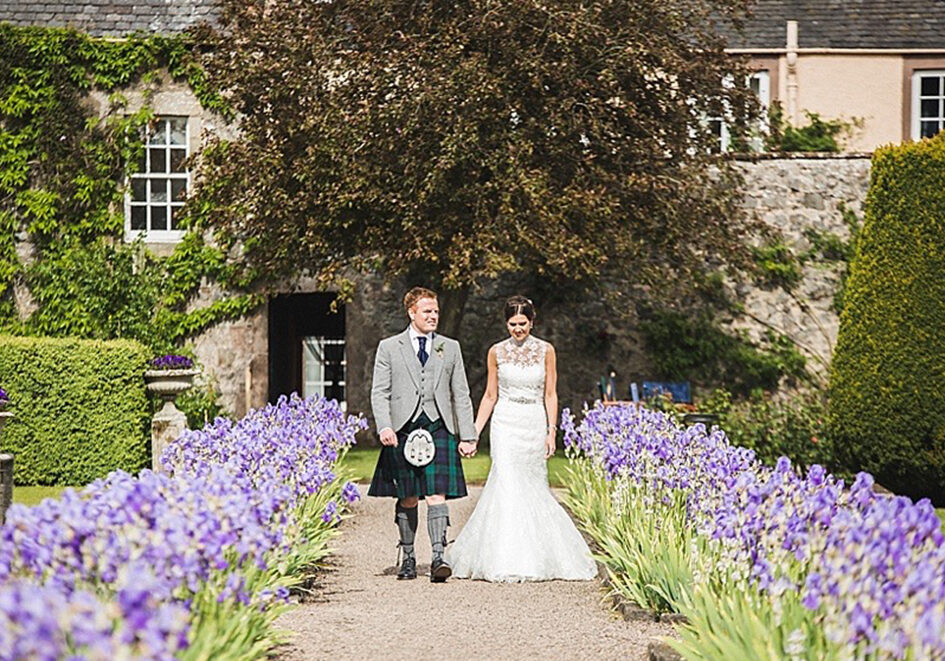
x,y
34,495
361,463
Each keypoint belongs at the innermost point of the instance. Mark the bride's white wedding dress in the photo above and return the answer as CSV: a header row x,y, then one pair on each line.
x,y
518,531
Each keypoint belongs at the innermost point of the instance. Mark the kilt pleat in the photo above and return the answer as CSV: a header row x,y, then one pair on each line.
x,y
395,477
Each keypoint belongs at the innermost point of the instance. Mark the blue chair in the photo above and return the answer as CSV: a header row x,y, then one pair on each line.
x,y
679,390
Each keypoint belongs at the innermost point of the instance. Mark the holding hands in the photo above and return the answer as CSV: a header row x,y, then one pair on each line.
x,y
468,449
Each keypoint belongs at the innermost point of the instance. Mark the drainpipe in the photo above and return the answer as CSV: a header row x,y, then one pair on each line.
x,y
791,57
248,385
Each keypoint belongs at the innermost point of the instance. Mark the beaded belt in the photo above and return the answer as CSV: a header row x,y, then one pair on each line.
x,y
522,400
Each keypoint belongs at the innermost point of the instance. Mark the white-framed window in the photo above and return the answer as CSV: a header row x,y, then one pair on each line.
x,y
928,103
323,368
159,186
760,83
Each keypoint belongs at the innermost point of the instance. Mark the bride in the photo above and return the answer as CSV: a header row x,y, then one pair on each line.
x,y
518,531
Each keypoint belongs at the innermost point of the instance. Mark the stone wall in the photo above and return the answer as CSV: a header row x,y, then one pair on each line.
x,y
235,356
796,195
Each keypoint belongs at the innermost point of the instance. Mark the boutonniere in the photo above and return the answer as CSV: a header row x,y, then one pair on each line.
x,y
438,349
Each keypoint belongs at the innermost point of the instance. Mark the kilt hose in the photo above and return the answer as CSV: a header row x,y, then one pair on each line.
x,y
396,478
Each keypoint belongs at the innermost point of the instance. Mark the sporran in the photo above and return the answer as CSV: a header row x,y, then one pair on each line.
x,y
419,448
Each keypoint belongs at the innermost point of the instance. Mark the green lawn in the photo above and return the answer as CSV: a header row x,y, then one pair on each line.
x,y
361,462
34,495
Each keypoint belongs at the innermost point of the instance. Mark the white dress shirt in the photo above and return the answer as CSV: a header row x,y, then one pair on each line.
x,y
415,340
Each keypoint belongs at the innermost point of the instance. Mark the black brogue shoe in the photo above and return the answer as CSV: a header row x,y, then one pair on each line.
x,y
408,569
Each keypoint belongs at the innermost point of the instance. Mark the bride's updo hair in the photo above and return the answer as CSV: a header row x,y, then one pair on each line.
x,y
519,305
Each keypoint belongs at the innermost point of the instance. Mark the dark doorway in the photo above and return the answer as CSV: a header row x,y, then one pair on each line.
x,y
306,347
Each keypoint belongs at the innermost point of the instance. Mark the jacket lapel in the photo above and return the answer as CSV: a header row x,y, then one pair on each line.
x,y
437,359
410,358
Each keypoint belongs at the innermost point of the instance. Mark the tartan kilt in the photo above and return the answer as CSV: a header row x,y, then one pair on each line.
x,y
395,477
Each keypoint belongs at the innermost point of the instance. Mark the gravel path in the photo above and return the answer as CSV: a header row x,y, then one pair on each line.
x,y
361,611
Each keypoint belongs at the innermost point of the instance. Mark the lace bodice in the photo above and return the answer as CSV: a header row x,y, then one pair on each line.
x,y
521,370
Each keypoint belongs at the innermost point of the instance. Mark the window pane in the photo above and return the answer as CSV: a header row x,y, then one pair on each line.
x,y
178,190
931,85
929,129
334,373
176,215
139,218
178,130
158,218
335,392
930,108
158,160
159,133
159,190
177,160
141,164
137,190
334,353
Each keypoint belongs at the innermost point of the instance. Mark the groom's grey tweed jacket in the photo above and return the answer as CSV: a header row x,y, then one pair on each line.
x,y
399,381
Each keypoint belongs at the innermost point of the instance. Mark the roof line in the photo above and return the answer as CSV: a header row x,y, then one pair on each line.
x,y
836,51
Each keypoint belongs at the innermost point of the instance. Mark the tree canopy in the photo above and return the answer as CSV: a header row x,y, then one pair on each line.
x,y
461,140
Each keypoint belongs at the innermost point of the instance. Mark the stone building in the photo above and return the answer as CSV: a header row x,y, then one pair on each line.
x,y
879,62
838,59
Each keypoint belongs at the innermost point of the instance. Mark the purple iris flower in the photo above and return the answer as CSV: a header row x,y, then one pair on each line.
x,y
870,568
114,570
172,362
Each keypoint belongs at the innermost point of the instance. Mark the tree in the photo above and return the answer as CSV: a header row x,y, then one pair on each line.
x,y
456,141
887,378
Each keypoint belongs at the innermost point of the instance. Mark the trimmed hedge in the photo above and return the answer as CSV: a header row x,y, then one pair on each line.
x,y
81,408
887,379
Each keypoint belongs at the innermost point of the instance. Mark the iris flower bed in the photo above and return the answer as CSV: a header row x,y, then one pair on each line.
x,y
193,564
764,562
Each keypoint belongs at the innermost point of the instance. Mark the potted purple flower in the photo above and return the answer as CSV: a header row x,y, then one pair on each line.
x,y
170,375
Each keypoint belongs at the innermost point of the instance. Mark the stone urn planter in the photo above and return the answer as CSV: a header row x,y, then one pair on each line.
x,y
170,422
168,384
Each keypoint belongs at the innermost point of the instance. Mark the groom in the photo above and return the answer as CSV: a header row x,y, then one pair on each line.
x,y
420,382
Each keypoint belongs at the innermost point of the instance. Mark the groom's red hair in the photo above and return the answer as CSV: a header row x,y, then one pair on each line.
x,y
415,294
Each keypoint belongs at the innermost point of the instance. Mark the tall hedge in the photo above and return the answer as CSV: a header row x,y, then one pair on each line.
x,y
81,408
887,379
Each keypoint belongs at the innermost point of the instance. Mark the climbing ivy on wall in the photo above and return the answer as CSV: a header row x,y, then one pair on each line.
x,y
63,168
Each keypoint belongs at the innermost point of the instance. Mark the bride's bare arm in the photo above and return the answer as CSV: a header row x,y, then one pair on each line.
x,y
491,394
551,399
